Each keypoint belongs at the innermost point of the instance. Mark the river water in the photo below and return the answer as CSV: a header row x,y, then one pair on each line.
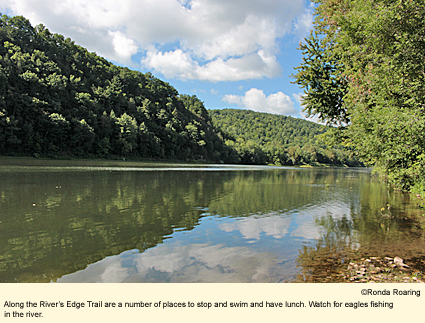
x,y
100,221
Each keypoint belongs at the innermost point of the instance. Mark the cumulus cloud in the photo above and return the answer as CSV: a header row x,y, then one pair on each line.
x,y
256,100
181,65
123,46
304,22
172,63
211,40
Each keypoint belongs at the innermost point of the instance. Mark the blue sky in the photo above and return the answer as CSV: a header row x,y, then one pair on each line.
x,y
229,53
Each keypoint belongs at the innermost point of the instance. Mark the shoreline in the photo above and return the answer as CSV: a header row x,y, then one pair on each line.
x,y
366,270
381,270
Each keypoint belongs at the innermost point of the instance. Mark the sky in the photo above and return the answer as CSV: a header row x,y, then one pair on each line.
x,y
229,53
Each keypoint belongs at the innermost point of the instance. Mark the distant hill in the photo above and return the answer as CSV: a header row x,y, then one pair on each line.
x,y
268,138
266,128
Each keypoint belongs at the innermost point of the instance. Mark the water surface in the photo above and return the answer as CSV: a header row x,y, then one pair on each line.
x,y
96,221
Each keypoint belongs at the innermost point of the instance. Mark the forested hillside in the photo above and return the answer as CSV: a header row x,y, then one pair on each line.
x,y
266,128
57,98
260,138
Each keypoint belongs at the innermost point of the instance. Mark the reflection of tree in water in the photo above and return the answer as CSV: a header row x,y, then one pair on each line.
x,y
80,218
264,192
321,260
380,233
55,223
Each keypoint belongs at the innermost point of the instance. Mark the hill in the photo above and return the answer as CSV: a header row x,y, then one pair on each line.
x,y
266,128
275,139
56,98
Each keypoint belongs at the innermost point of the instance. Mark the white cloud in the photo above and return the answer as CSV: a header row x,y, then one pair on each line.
x,y
123,46
304,22
179,64
255,99
298,97
211,40
171,64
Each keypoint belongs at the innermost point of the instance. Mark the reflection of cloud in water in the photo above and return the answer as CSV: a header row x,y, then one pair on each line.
x,y
108,270
308,229
251,228
277,225
205,262
187,263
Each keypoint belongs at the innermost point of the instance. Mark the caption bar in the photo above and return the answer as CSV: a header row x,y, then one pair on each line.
x,y
34,309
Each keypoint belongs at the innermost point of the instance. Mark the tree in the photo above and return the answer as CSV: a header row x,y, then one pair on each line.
x,y
320,74
128,133
263,138
376,51
58,98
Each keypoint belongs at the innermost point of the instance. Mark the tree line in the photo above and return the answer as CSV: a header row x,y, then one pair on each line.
x,y
363,70
58,99
264,138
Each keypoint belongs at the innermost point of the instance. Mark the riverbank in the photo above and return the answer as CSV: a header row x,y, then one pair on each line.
x,y
381,270
346,269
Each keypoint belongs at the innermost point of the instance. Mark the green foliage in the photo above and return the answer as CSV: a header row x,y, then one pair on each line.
x,y
263,138
377,51
320,76
57,98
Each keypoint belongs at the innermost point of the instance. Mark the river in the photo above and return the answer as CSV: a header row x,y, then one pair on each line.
x,y
109,221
